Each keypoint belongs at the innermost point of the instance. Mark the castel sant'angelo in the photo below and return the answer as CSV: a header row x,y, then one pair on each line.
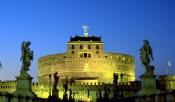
x,y
86,73
85,65
86,62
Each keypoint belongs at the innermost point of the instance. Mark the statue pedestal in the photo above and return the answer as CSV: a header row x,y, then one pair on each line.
x,y
55,93
65,98
54,97
23,87
148,85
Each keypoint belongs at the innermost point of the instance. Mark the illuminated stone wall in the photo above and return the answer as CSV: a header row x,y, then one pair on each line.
x,y
86,59
80,90
168,81
9,86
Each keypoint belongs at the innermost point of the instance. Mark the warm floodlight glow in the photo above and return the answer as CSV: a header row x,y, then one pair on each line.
x,y
86,67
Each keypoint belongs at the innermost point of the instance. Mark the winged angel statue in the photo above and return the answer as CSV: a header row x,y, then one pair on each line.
x,y
146,56
27,56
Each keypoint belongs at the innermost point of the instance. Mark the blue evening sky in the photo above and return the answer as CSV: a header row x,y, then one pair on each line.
x,y
122,24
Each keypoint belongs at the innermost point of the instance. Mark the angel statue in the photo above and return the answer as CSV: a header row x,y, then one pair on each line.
x,y
27,56
146,55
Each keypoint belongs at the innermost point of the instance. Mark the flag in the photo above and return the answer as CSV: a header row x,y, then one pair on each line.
x,y
169,63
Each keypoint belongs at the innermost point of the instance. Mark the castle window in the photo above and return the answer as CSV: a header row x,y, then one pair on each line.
x,y
97,52
89,55
72,52
72,46
85,55
97,46
81,55
81,46
89,46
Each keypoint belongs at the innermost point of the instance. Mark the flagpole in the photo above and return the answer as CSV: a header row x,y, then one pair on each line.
x,y
167,68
